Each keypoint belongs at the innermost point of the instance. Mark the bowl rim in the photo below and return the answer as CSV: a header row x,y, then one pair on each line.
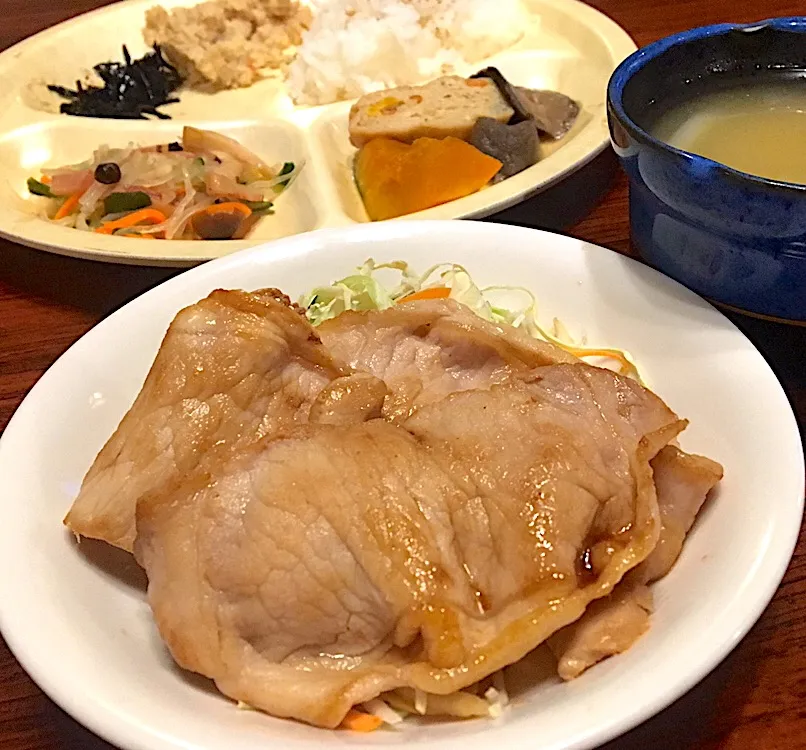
x,y
624,73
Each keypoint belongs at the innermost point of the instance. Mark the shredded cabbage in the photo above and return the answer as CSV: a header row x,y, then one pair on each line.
x,y
364,290
383,711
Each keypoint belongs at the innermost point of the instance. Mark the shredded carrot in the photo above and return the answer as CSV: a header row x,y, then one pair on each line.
x,y
229,207
358,721
143,216
67,207
627,366
46,179
434,292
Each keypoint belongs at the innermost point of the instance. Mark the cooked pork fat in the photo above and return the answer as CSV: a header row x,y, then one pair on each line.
x,y
340,559
232,369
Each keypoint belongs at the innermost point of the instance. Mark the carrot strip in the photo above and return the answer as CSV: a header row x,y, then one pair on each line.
x,y
358,721
143,216
627,367
434,292
229,207
67,207
46,179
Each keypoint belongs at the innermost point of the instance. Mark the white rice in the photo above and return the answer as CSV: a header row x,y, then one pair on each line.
x,y
357,46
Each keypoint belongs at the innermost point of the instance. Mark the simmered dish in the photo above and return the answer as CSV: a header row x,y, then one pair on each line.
x,y
376,514
421,146
206,186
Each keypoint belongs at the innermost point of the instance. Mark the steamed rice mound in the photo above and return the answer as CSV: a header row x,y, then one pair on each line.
x,y
223,44
357,46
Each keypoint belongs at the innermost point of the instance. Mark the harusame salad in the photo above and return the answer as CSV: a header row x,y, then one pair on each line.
x,y
206,186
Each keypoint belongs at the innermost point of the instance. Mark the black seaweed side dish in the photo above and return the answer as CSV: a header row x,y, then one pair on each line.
x,y
132,90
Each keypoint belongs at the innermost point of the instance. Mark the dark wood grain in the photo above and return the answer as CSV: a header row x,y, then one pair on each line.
x,y
755,699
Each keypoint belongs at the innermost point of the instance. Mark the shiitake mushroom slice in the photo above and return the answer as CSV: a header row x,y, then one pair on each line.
x,y
553,113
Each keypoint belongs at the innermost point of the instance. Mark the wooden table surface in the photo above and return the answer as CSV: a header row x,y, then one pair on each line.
x,y
755,699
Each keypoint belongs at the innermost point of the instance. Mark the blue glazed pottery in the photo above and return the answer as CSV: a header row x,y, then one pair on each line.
x,y
736,239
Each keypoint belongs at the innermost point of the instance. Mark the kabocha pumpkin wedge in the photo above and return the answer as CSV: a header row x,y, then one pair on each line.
x,y
396,178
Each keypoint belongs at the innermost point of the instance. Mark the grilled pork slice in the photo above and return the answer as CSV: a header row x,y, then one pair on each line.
x,y
239,366
426,350
610,626
339,560
232,369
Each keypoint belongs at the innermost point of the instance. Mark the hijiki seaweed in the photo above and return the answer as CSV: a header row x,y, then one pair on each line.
x,y
132,90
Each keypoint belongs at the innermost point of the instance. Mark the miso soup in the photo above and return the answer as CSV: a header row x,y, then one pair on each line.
x,y
759,129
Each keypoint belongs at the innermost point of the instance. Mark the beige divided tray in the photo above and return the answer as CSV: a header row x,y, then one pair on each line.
x,y
569,47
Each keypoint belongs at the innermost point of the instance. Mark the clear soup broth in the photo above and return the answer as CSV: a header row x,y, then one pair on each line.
x,y
759,129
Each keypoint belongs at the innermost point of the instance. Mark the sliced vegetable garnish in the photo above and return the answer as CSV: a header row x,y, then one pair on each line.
x,y
116,203
35,187
358,721
143,216
258,206
194,139
434,292
357,292
288,168
68,206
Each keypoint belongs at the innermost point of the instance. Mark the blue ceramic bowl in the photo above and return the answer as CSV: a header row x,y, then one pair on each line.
x,y
736,239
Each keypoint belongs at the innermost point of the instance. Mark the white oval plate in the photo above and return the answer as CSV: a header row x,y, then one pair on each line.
x,y
570,47
78,622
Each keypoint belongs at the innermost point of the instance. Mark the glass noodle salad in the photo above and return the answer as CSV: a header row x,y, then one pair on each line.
x,y
363,290
208,187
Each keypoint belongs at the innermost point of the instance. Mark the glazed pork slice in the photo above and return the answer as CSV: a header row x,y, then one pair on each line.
x,y
611,625
232,369
426,350
238,366
343,559
608,627
683,481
